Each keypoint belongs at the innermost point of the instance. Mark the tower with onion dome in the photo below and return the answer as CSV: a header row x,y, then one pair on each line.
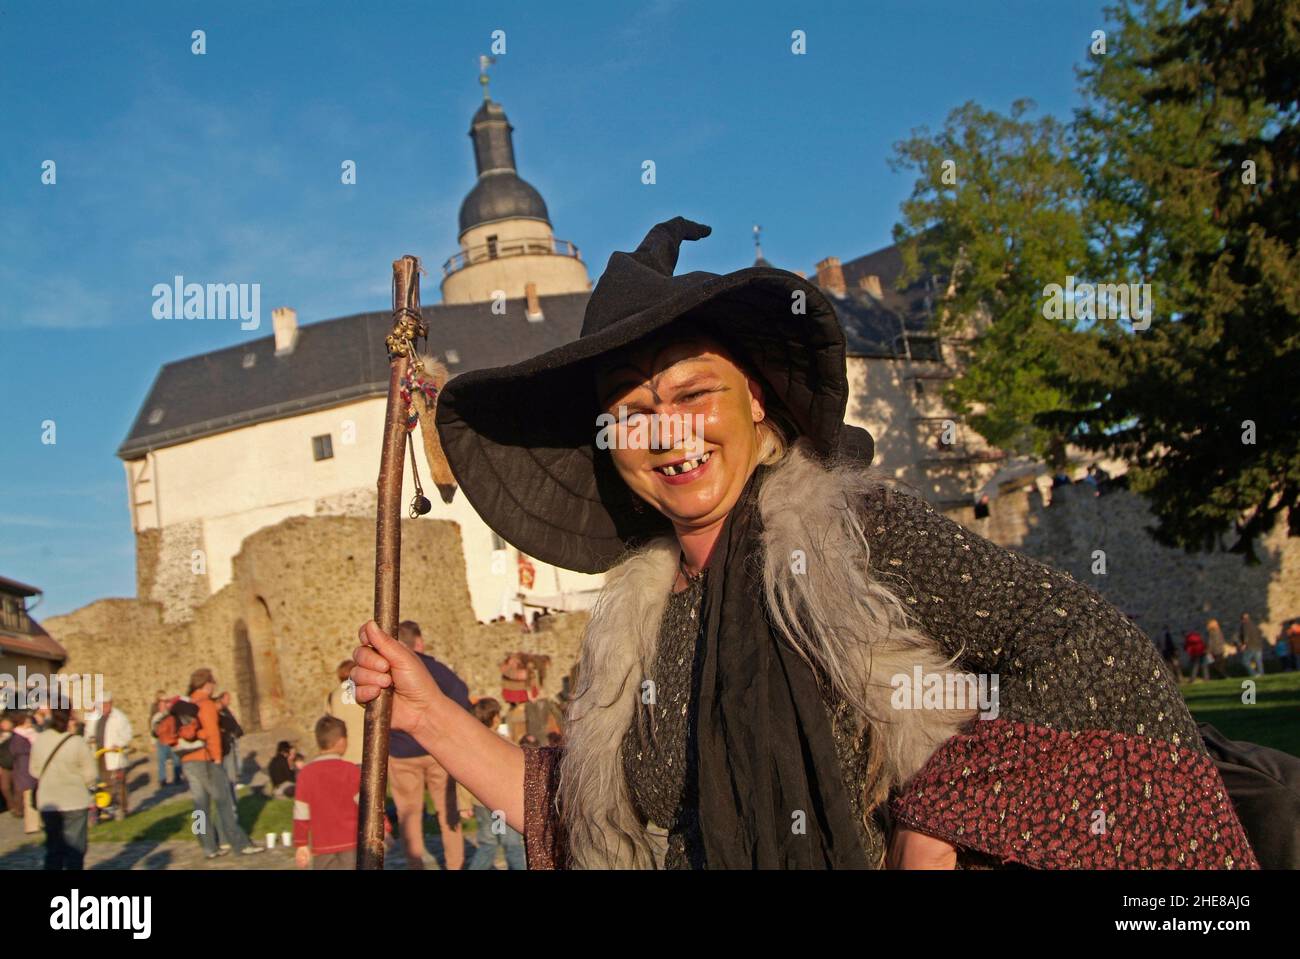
x,y
507,246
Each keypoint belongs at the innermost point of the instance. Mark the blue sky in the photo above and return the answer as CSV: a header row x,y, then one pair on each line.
x,y
226,168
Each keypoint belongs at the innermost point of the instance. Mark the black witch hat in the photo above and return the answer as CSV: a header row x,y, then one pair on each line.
x,y
521,439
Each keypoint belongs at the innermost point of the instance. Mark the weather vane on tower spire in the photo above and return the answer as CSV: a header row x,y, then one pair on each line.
x,y
484,61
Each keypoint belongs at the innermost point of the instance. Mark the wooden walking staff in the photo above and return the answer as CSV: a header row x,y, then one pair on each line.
x,y
408,323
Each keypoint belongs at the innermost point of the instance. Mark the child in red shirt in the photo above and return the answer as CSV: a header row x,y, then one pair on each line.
x,y
325,802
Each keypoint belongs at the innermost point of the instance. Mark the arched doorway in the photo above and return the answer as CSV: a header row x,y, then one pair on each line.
x,y
246,679
269,691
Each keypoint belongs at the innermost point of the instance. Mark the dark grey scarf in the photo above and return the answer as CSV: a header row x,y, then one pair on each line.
x,y
771,791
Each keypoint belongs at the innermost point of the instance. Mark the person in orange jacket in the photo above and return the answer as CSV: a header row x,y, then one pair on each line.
x,y
204,775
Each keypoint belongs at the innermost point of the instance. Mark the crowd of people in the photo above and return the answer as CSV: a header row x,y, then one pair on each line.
x,y
1198,655
539,621
62,771
324,788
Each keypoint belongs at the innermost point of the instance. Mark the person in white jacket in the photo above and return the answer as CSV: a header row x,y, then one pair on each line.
x,y
111,731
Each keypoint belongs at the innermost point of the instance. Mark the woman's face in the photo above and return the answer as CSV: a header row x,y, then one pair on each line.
x,y
703,408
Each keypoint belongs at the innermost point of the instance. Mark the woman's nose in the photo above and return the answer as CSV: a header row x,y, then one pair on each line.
x,y
672,429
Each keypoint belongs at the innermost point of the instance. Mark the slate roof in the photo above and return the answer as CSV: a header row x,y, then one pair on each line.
x,y
337,361
334,362
887,263
16,588
874,328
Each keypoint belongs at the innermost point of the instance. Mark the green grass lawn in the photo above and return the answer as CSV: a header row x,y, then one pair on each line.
x,y
1272,720
171,820
258,815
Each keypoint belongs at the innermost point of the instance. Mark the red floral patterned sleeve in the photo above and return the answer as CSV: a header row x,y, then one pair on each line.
x,y
1091,759
1093,799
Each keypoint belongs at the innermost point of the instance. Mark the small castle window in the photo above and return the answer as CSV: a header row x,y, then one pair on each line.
x,y
453,356
250,360
155,416
498,543
492,247
322,447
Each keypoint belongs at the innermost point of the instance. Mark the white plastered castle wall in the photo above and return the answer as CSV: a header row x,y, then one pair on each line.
x,y
220,489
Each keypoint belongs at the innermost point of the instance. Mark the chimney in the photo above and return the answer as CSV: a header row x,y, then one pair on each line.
x,y
534,308
284,320
872,286
830,276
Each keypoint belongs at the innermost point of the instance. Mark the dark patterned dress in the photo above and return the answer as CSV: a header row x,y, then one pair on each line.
x,y
1093,760
657,749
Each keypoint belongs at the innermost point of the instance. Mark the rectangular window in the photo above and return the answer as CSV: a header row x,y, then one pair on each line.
x,y
492,247
925,348
322,447
497,543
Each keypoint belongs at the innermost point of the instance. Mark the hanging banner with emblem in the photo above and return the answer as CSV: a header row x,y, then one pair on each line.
x,y
527,572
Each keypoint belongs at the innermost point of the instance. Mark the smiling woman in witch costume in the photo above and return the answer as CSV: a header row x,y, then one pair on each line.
x,y
735,702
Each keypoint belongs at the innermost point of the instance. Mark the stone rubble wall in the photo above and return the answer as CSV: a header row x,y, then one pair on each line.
x,y
165,569
300,591
1154,584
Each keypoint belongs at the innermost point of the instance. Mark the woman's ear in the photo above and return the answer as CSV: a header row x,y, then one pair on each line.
x,y
757,408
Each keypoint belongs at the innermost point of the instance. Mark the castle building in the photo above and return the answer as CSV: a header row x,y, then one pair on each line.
x,y
237,440
898,367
